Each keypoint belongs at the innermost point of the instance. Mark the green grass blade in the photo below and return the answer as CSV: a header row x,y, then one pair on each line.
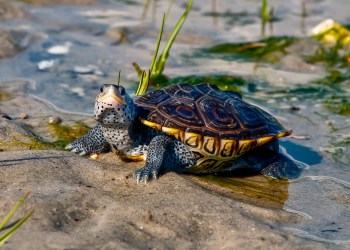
x,y
158,44
14,209
137,69
264,11
146,77
9,233
163,57
143,85
118,77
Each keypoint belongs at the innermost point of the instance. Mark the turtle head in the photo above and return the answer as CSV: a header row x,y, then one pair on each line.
x,y
114,107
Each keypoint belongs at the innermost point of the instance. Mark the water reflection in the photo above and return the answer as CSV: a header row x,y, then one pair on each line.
x,y
250,186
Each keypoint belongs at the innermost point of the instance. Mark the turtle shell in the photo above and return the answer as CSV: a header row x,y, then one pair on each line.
x,y
216,124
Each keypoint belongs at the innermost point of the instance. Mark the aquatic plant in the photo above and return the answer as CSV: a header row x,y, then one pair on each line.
x,y
13,227
158,64
264,50
224,82
334,77
338,104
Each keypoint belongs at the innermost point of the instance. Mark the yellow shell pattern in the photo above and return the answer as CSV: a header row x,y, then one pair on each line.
x,y
213,154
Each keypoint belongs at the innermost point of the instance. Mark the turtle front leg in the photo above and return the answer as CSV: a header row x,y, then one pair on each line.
x,y
165,153
92,142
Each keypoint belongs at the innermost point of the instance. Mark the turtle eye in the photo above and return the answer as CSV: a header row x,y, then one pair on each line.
x,y
121,90
103,87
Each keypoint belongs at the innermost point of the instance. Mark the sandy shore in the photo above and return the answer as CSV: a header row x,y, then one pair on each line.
x,y
85,204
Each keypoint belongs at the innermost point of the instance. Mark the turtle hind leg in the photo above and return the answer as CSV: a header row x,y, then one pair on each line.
x,y
283,168
165,153
270,162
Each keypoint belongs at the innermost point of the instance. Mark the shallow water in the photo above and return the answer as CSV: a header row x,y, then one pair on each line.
x,y
94,36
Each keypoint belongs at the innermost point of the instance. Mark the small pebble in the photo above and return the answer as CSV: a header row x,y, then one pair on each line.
x,y
295,108
23,116
79,91
55,120
89,69
45,64
84,69
60,49
300,137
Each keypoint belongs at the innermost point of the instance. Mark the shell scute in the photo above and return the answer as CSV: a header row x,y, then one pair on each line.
x,y
215,116
180,110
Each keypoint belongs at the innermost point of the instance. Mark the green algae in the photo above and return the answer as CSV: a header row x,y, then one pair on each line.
x,y
334,77
3,96
63,135
338,104
224,82
340,148
332,56
27,142
66,134
266,50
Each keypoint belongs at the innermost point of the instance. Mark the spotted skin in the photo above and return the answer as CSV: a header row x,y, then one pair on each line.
x,y
92,142
152,129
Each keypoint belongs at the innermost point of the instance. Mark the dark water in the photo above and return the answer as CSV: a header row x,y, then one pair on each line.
x,y
97,41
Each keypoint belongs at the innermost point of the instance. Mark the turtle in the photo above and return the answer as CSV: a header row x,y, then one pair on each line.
x,y
187,128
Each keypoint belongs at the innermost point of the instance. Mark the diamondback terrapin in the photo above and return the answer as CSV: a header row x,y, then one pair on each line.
x,y
185,128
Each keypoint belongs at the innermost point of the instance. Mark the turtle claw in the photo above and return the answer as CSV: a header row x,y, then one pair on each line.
x,y
82,153
144,175
155,175
75,150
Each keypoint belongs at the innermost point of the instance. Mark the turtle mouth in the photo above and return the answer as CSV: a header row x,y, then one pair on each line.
x,y
111,97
